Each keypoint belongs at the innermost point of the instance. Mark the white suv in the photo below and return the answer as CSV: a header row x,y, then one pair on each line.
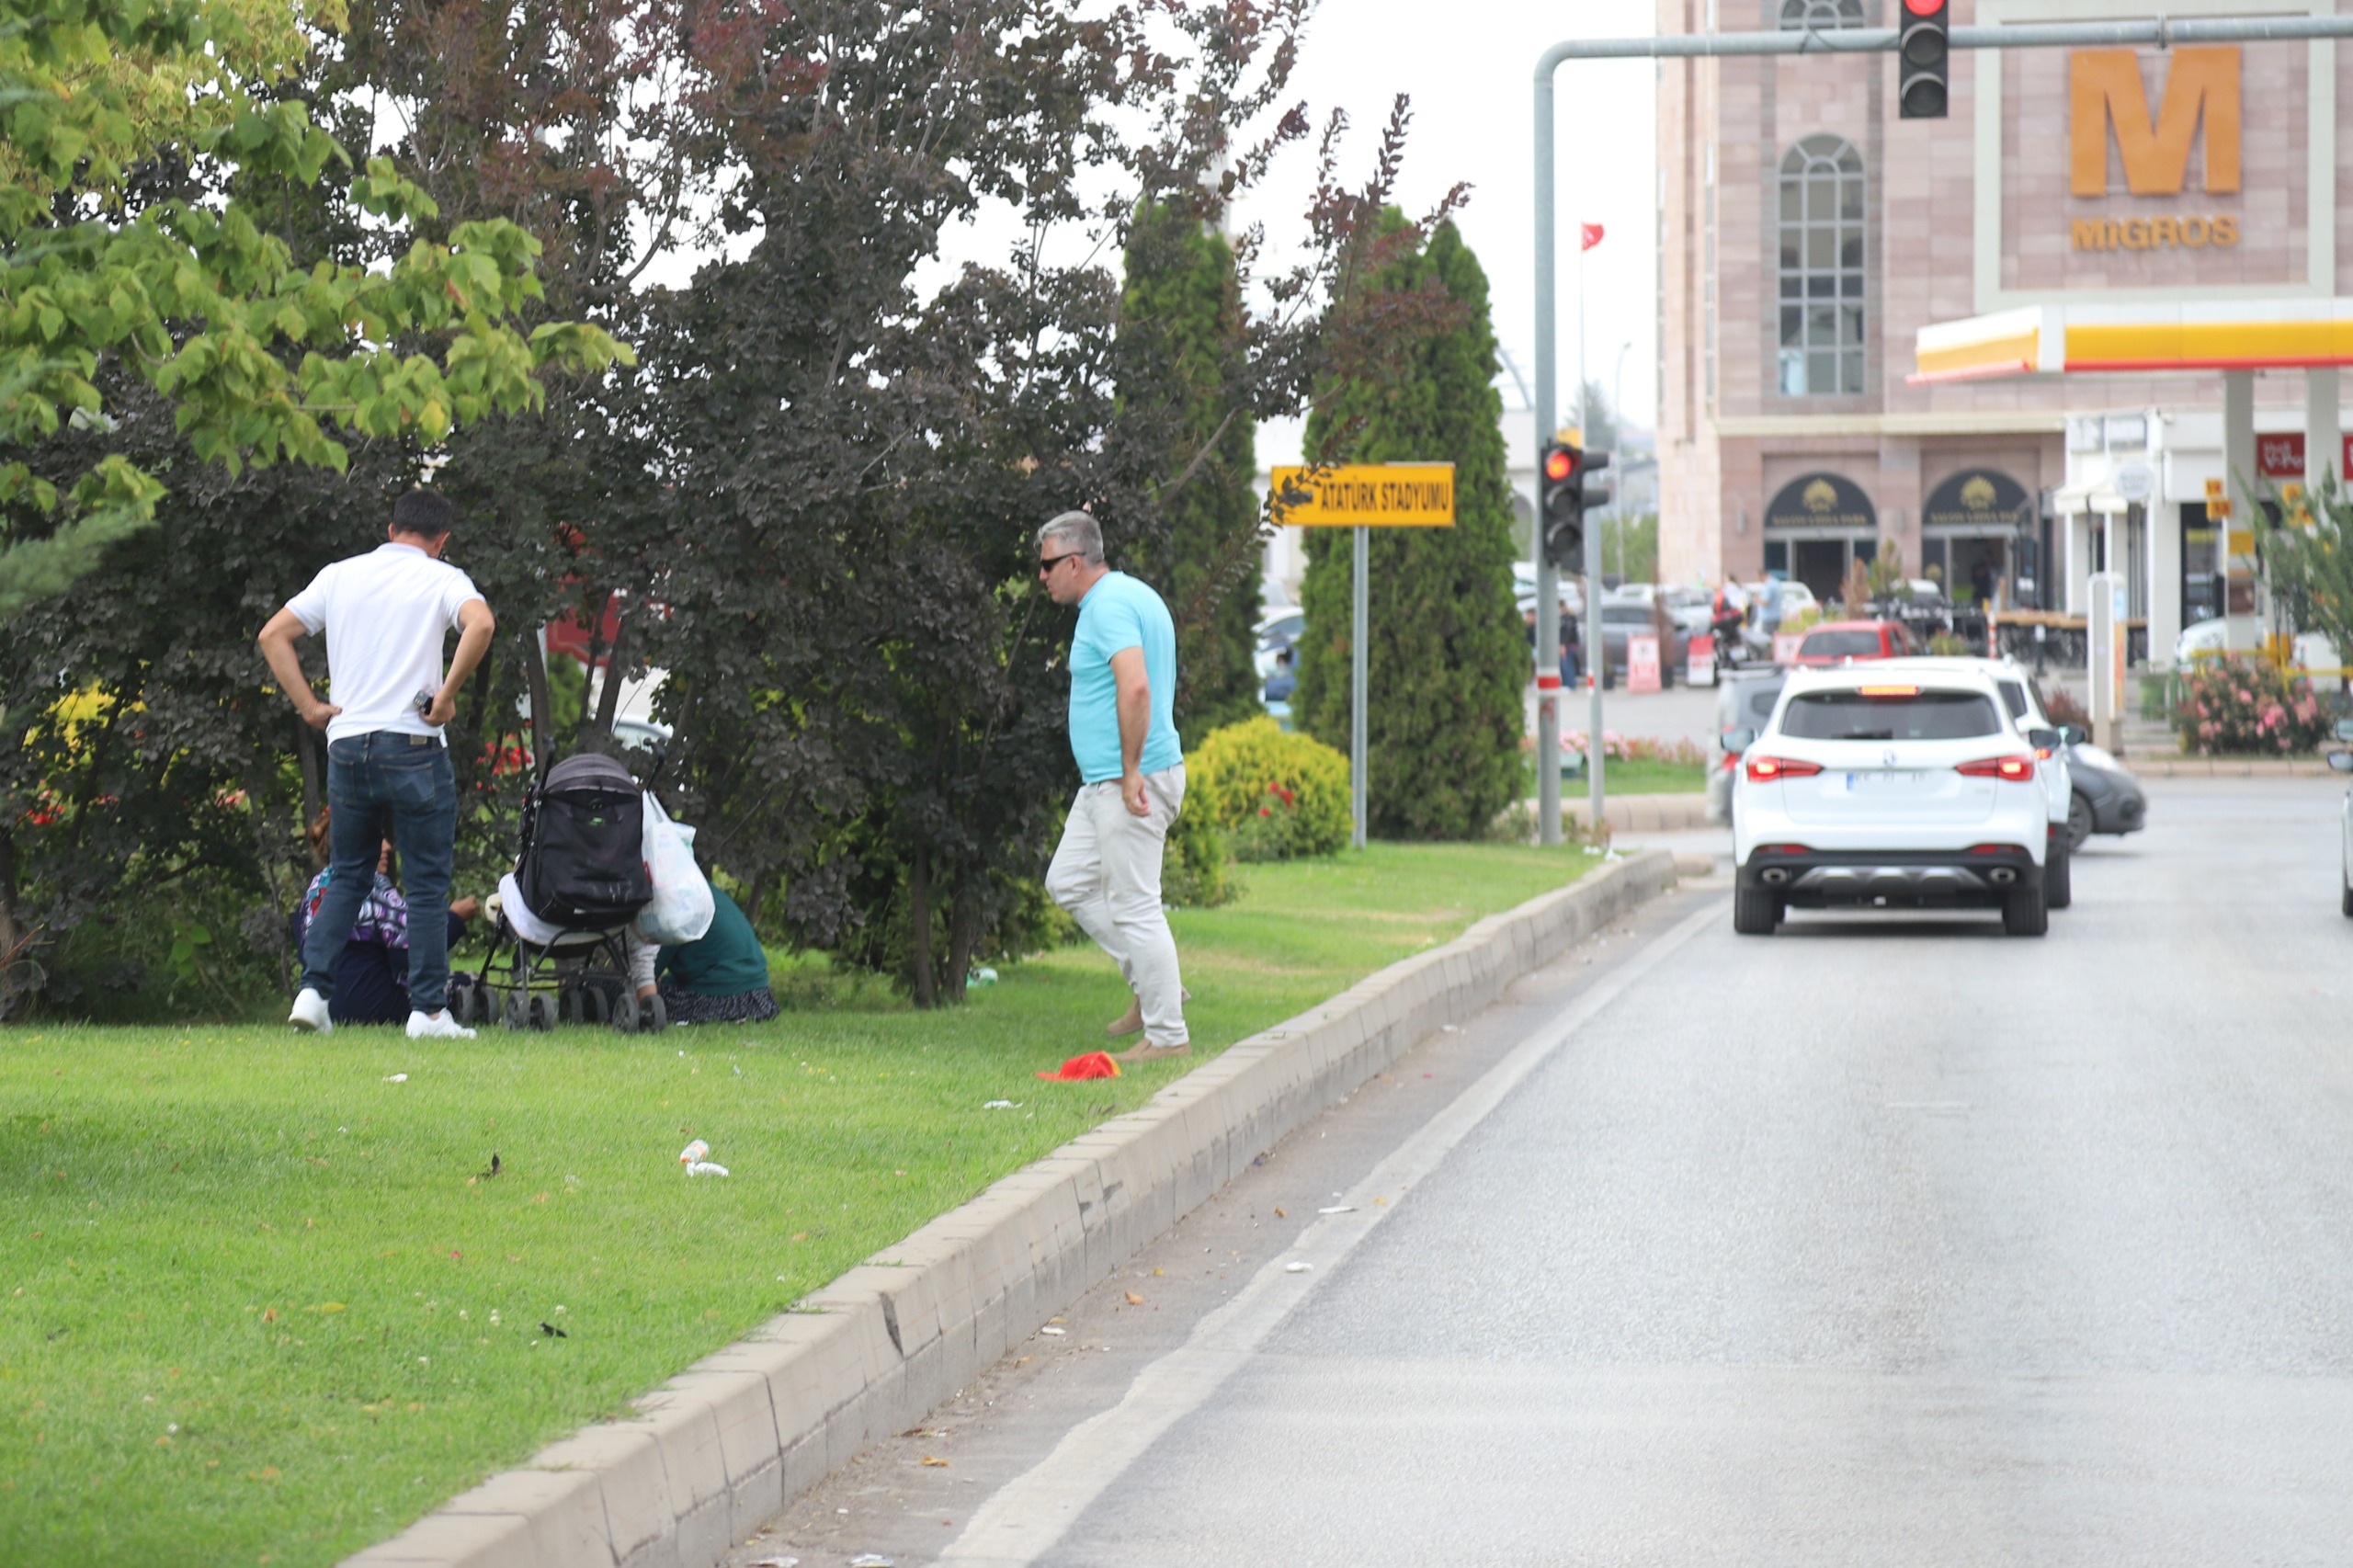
x,y
1871,786
2050,753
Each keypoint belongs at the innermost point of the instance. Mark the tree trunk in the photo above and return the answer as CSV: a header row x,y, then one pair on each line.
x,y
919,926
963,930
14,935
534,675
608,695
315,784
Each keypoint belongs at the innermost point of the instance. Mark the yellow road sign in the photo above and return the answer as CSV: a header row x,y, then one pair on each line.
x,y
1369,495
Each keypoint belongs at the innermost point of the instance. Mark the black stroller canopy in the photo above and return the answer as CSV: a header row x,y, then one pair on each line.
x,y
589,771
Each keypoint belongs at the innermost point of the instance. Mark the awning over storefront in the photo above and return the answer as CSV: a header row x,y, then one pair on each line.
x,y
2076,499
2243,335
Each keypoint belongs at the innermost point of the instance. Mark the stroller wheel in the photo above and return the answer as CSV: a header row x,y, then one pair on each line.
x,y
511,1012
571,1005
658,1014
595,1007
626,1012
539,1011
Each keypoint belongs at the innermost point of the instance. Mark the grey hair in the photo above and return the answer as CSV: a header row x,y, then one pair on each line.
x,y
1076,531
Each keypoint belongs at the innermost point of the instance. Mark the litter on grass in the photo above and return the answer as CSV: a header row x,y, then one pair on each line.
x,y
397,1078
1001,1105
704,1168
693,1152
1093,1064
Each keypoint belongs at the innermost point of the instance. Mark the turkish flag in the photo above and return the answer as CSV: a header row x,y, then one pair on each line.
x,y
1592,235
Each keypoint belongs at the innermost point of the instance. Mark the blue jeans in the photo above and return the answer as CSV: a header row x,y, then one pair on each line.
x,y
406,778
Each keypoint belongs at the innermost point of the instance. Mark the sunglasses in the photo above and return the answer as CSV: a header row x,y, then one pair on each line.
x,y
1047,563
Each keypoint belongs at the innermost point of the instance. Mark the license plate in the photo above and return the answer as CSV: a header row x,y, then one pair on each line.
x,y
1883,783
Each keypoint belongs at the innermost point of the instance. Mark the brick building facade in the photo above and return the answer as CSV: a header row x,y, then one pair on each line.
x,y
1807,235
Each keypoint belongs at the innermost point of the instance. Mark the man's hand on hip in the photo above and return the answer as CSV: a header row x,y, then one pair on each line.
x,y
1131,794
318,714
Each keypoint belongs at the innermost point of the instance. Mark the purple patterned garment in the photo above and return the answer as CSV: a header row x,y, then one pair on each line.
x,y
383,913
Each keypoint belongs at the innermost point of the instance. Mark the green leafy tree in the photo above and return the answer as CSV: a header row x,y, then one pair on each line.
x,y
1448,659
198,300
1183,364
2308,558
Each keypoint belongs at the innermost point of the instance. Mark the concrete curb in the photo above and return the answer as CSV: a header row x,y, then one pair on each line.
x,y
2145,765
720,1449
1641,813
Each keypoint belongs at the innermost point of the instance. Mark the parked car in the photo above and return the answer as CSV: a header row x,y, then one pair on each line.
x,y
2313,650
1744,701
2104,797
1622,619
1876,789
1691,609
1278,629
1842,642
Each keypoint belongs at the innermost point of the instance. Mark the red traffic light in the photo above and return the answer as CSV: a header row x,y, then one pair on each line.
x,y
1559,464
1924,7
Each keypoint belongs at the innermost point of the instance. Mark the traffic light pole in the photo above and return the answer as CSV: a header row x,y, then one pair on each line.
x,y
2162,31
1548,581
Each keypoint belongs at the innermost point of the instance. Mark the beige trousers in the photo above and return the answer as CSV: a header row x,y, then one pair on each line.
x,y
1107,873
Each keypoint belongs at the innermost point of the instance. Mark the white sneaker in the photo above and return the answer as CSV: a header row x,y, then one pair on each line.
x,y
310,1014
436,1026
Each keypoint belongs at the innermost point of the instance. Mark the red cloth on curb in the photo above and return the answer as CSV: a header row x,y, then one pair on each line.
x,y
1094,1065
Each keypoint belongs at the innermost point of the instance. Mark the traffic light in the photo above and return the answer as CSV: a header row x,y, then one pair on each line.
x,y
1566,489
1922,52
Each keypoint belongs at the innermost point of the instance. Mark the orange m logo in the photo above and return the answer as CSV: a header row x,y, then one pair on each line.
x,y
2105,88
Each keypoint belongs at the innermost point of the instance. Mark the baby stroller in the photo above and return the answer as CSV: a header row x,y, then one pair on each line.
x,y
557,949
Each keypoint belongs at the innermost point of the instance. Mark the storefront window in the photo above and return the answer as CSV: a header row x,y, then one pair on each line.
x,y
1821,15
1821,269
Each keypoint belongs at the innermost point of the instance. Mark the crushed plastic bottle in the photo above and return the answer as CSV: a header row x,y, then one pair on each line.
x,y
704,1168
693,1152
981,976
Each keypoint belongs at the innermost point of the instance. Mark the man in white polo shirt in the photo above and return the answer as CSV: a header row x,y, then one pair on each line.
x,y
385,615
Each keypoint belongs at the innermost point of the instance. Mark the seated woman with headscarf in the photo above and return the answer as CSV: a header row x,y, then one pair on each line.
x,y
721,977
371,973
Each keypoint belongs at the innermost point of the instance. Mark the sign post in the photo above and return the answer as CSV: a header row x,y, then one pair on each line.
x,y
1360,497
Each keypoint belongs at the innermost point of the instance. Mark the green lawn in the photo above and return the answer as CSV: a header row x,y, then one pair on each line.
x,y
259,1305
1636,777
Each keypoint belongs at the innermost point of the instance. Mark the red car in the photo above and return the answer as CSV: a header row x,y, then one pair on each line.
x,y
1838,641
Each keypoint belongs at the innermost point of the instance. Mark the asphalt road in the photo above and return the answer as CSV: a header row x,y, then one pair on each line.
x,y
1880,1241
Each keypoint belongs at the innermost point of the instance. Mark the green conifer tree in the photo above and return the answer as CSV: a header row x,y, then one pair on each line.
x,y
1181,374
1447,658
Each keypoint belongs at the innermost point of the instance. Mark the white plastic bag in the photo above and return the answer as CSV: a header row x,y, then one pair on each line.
x,y
681,908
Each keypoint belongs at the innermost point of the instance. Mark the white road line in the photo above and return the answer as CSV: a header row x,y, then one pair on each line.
x,y
1023,1520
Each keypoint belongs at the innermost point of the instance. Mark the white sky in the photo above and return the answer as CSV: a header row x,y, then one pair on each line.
x,y
1469,69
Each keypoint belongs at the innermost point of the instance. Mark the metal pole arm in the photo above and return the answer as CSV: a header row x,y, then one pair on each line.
x,y
2161,31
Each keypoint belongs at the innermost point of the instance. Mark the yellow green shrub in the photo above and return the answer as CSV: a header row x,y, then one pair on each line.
x,y
1275,796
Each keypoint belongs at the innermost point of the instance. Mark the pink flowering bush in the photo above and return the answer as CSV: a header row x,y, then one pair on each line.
x,y
1638,748
2248,707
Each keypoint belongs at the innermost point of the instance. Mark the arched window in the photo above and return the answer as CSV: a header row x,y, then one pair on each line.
x,y
1822,268
1821,15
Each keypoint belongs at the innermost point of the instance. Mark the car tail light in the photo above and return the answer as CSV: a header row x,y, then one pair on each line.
x,y
1773,769
1991,849
1890,691
2042,754
2016,770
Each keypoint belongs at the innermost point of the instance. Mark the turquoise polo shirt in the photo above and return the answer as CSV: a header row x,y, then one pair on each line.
x,y
1118,613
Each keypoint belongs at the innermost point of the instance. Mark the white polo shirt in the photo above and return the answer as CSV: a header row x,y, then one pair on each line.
x,y
385,614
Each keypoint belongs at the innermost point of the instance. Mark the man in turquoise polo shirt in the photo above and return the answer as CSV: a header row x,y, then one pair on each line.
x,y
1131,772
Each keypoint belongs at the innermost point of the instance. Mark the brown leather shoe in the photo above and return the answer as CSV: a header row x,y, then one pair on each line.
x,y
1136,1053
1132,1020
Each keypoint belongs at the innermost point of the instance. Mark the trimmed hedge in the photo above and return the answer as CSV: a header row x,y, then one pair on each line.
x,y
1275,796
